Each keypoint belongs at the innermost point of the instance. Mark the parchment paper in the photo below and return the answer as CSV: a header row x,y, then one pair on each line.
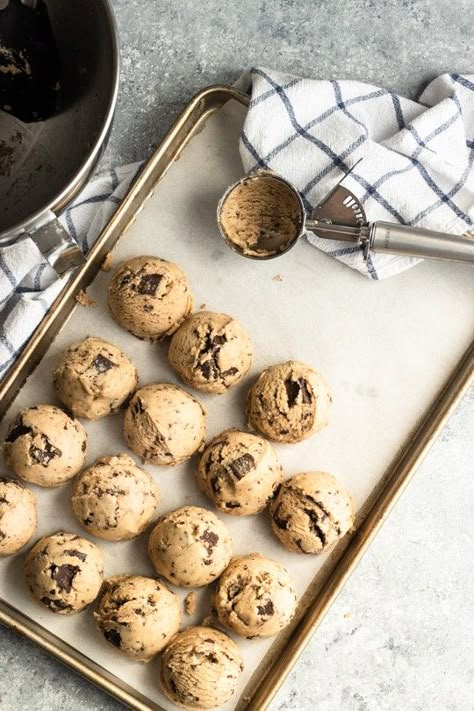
x,y
386,348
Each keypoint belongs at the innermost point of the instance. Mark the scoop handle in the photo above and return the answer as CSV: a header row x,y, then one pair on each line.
x,y
391,238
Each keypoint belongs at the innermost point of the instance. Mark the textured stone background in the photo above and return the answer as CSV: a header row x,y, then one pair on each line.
x,y
400,634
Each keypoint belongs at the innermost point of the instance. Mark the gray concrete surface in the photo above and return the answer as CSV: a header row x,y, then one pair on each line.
x,y
400,634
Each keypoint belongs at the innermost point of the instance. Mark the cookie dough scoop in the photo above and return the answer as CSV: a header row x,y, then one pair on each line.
x,y
137,615
64,572
239,472
17,516
200,668
255,596
311,512
94,378
289,402
164,424
149,297
210,352
45,446
190,547
114,499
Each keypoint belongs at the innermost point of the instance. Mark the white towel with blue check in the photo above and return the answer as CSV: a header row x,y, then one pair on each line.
x,y
417,169
417,156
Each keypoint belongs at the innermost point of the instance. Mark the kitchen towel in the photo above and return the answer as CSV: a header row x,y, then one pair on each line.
x,y
417,156
28,285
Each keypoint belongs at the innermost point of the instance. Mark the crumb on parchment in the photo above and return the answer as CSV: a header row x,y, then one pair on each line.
x,y
84,299
190,603
277,277
106,265
203,307
347,615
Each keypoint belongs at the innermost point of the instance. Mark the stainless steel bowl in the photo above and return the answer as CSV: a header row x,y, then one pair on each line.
x,y
44,165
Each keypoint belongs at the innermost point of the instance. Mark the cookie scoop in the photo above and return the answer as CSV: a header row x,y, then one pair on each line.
x,y
164,424
45,446
190,547
94,378
239,472
149,297
137,615
64,572
200,668
17,516
289,402
210,352
114,499
310,512
255,596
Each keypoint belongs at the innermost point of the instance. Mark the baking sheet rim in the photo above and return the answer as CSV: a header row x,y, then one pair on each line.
x,y
393,483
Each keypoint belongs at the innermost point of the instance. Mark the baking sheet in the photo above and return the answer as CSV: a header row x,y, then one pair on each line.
x,y
386,348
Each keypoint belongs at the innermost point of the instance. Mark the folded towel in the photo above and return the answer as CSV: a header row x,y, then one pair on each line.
x,y
418,156
28,285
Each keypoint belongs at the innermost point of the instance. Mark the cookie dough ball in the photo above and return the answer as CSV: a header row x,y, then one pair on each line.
x,y
94,378
239,472
164,424
64,572
137,615
210,352
190,547
311,512
289,402
200,668
255,596
149,297
45,446
17,516
114,499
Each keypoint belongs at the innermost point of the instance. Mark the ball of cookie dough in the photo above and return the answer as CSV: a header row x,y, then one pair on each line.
x,y
200,668
64,572
114,499
190,547
311,512
137,615
255,596
45,446
94,378
210,351
289,402
17,516
149,297
239,472
164,424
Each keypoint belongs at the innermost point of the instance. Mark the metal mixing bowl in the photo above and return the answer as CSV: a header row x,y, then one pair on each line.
x,y
44,165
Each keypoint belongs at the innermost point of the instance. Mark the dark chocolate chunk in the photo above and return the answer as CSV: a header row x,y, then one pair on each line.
x,y
293,389
137,407
232,505
315,521
64,575
76,554
233,590
212,658
148,284
210,538
83,446
306,392
43,455
2,535
103,364
3,500
55,605
282,523
113,637
241,466
215,486
18,430
230,371
266,610
209,369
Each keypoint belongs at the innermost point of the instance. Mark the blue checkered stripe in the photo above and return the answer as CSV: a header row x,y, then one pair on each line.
x,y
418,157
28,285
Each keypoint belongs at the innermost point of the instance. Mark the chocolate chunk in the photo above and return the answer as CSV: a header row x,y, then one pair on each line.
x,y
18,430
266,610
315,521
233,590
230,371
83,446
3,500
232,505
113,637
76,554
55,605
210,537
212,658
209,369
64,575
2,535
149,284
306,392
215,486
137,407
282,523
43,455
293,389
241,466
103,364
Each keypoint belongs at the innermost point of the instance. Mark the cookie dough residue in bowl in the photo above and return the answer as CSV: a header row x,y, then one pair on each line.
x,y
261,217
